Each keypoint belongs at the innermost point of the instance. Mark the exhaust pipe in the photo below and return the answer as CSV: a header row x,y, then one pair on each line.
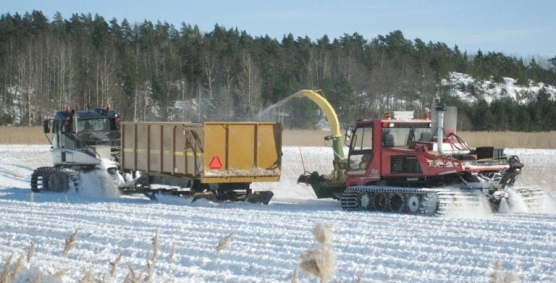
x,y
440,109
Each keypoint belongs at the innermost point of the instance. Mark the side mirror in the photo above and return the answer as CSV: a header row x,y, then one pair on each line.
x,y
46,126
349,132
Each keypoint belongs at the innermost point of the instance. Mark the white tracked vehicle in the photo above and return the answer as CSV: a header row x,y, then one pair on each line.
x,y
81,142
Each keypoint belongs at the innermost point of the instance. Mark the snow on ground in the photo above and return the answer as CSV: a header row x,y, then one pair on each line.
x,y
266,240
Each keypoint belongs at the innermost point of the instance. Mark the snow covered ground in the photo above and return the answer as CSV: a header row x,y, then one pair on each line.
x,y
266,240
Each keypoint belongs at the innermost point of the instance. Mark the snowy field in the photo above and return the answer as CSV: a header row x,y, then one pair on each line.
x,y
266,240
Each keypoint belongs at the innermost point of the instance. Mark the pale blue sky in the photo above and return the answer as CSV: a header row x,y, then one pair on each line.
x,y
518,28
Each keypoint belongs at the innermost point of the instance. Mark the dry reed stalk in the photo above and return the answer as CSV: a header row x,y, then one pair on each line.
x,y
31,252
495,274
150,271
22,135
17,267
172,251
32,197
510,277
156,246
89,277
37,278
70,243
132,276
320,261
295,275
323,233
224,243
58,275
545,140
5,275
114,264
152,263
499,276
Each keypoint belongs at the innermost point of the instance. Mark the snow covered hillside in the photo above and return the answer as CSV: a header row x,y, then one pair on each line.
x,y
266,240
461,85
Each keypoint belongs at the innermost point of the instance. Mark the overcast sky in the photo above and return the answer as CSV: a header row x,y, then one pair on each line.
x,y
514,27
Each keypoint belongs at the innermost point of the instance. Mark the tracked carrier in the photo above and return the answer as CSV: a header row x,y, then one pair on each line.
x,y
81,140
419,166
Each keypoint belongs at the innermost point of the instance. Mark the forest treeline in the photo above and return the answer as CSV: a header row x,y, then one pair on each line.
x,y
155,71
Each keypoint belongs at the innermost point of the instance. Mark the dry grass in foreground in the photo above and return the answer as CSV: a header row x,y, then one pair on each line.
x,y
545,140
319,261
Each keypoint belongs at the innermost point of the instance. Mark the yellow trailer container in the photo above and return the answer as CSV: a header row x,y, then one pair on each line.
x,y
210,153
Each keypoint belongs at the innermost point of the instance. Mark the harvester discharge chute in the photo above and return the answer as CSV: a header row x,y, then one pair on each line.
x,y
332,185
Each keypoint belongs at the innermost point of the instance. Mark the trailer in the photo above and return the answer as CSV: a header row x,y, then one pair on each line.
x,y
215,160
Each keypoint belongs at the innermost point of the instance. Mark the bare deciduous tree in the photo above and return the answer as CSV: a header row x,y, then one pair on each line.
x,y
250,85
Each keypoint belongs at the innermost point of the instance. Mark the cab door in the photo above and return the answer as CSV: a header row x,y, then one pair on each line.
x,y
361,149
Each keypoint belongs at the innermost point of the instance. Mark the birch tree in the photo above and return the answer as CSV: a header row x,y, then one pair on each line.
x,y
250,85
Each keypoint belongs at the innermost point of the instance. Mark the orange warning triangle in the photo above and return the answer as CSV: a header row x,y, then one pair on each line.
x,y
215,163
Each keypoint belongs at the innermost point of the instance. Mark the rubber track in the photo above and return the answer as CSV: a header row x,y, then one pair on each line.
x,y
41,176
432,201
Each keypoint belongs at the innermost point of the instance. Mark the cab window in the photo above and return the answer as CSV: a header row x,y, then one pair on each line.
x,y
361,149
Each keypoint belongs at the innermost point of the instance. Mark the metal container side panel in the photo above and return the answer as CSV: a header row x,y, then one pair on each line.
x,y
242,152
269,146
242,144
129,161
238,152
162,147
142,146
154,147
215,145
179,162
168,147
135,142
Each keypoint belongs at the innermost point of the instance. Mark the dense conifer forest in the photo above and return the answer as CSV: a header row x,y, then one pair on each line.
x,y
156,71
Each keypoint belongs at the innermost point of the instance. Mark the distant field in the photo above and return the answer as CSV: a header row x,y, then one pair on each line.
x,y
22,135
547,140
